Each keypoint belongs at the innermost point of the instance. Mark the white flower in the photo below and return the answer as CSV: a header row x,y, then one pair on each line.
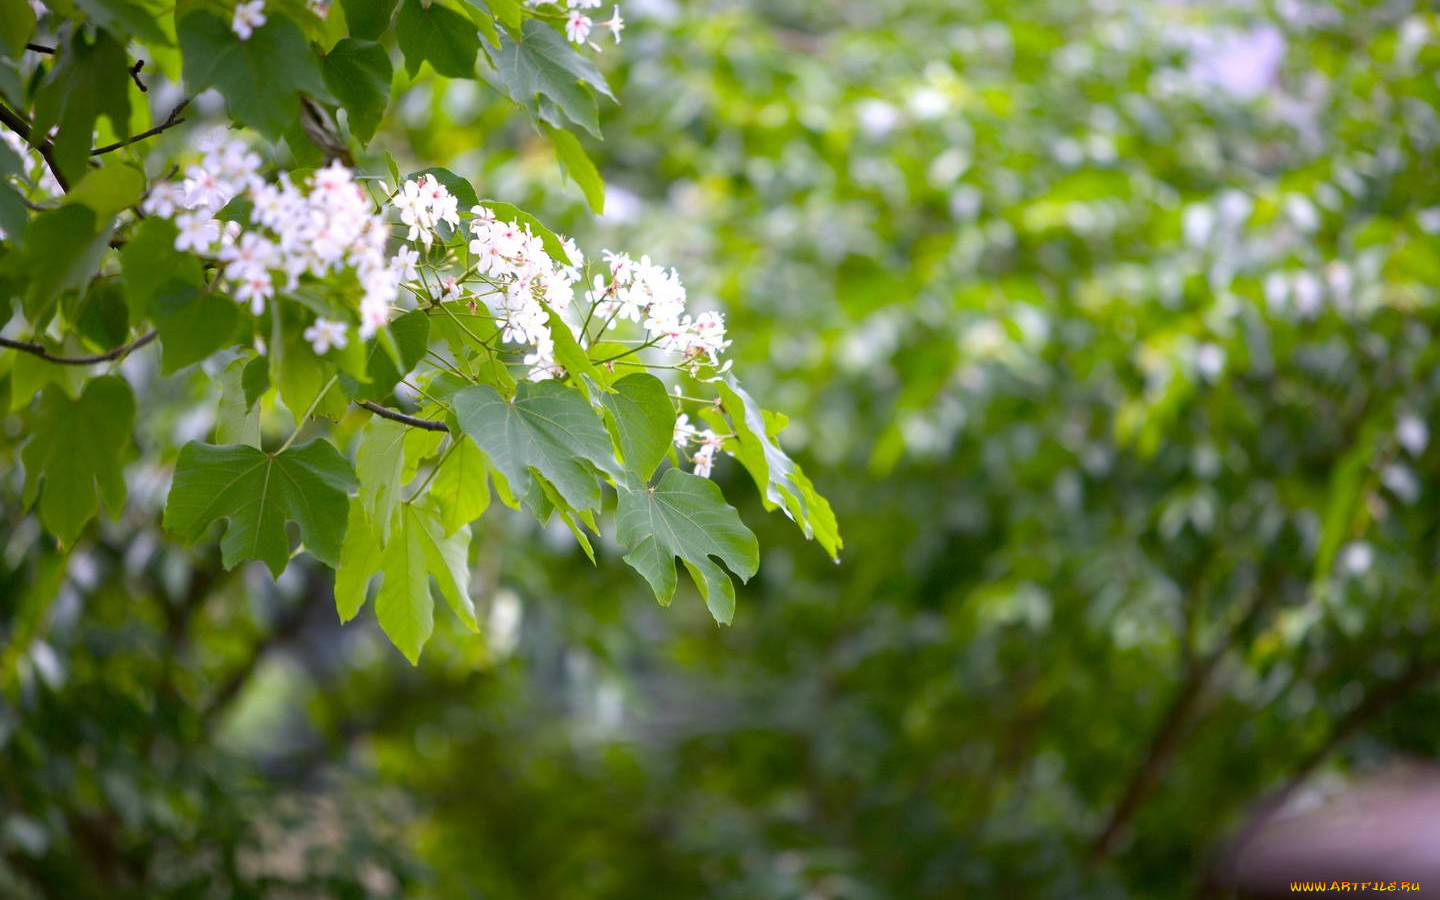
x,y
1209,361
1307,291
423,205
255,289
374,315
198,232
577,27
445,289
1401,482
877,118
404,262
1412,433
1357,557
704,461
684,431
162,200
615,23
583,4
248,17
325,334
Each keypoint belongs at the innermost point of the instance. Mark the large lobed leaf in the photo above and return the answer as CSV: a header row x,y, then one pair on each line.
x,y
542,72
780,480
548,428
76,453
261,79
258,492
687,516
417,548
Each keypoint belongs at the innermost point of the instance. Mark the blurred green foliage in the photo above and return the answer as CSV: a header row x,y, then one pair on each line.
x,y
1110,330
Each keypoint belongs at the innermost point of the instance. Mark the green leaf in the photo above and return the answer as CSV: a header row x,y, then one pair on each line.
x,y
258,493
579,167
238,419
17,23
463,191
686,516
780,480
62,249
571,355
508,12
303,375
642,419
1344,499
99,314
548,428
484,21
437,35
109,190
380,465
261,79
461,489
125,19
542,64
192,323
256,380
13,217
29,374
76,451
416,550
466,334
149,259
368,19
411,336
358,74
507,212
87,82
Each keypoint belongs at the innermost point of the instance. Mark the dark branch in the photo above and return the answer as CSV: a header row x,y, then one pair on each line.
x,y
40,48
170,122
108,356
16,123
412,421
135,76
1176,724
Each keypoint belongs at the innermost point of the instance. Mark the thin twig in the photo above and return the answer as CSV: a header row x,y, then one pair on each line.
x,y
135,76
108,356
16,123
170,122
40,48
394,416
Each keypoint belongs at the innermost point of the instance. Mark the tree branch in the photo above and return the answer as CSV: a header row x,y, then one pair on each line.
x,y
394,416
1157,757
1173,726
170,122
135,76
108,356
16,123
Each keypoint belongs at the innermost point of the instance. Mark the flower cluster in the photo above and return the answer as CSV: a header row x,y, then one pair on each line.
x,y
424,203
323,227
654,297
705,441
578,25
527,279
263,238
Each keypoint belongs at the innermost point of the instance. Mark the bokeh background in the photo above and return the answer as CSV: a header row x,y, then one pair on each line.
x,y
1110,330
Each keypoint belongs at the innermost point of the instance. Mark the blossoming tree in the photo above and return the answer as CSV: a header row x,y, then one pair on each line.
x,y
387,351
